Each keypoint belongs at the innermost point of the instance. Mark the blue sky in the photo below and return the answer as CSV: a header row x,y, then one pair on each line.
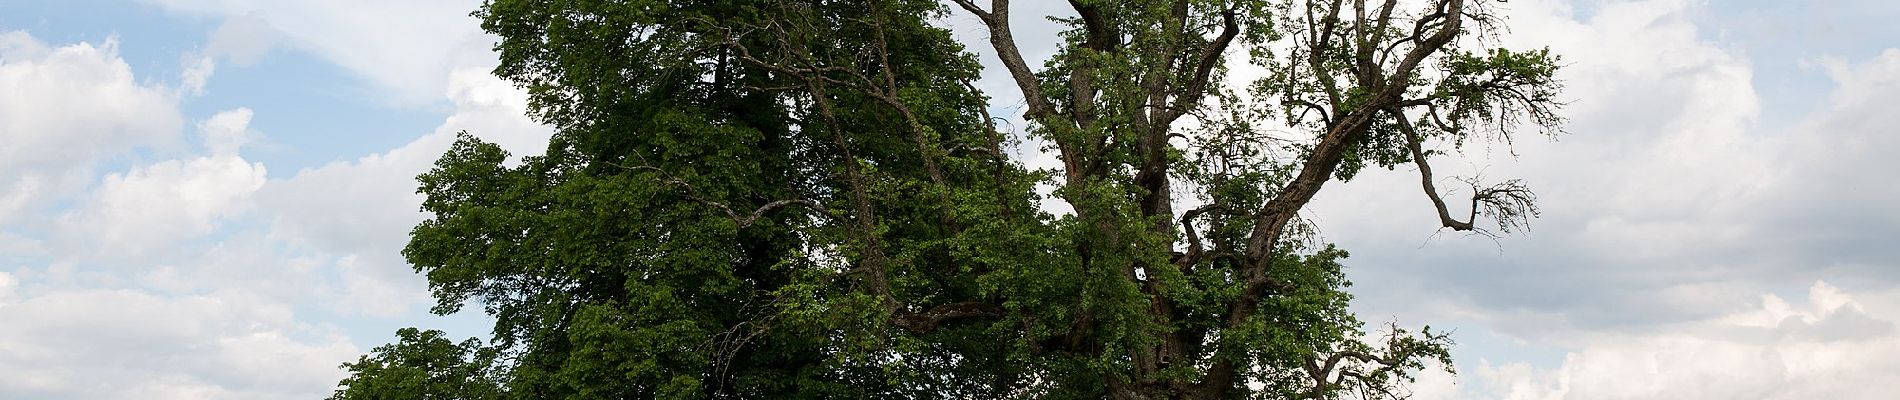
x,y
205,199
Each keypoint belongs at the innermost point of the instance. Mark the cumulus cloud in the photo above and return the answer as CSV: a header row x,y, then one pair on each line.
x,y
226,132
1668,210
197,72
1830,198
370,202
360,211
1828,348
192,275
222,257
91,344
1649,202
64,108
151,206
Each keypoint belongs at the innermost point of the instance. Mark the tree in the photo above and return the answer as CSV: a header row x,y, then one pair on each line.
x,y
810,199
422,365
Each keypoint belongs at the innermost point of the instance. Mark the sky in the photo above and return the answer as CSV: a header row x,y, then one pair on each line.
x,y
205,199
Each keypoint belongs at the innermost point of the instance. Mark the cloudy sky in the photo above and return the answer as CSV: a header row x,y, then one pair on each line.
x,y
204,199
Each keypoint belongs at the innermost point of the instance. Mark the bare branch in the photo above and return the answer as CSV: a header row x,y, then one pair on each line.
x,y
1195,250
1204,67
1417,151
974,10
1510,203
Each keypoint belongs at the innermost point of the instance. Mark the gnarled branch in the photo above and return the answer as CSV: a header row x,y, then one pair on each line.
x,y
1511,203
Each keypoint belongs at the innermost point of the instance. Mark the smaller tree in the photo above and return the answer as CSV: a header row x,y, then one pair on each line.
x,y
423,365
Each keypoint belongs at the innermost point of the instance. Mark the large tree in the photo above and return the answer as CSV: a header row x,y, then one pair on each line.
x,y
810,199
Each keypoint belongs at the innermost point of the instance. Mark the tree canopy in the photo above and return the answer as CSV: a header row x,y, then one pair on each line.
x,y
811,199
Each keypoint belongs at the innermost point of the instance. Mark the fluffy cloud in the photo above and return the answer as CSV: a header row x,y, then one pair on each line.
x,y
360,211
1831,197
127,344
79,328
64,108
1668,210
216,256
154,205
1648,203
370,202
1666,204
197,72
240,39
1831,347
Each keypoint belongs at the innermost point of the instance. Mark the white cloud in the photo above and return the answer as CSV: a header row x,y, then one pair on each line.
x,y
1833,198
166,202
1662,117
1649,202
371,202
62,109
221,256
494,110
246,262
1668,210
1830,347
7,284
1433,383
197,72
226,132
360,212
91,344
243,39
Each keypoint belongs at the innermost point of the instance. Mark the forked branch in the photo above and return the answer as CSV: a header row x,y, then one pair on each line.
x,y
1511,203
1375,371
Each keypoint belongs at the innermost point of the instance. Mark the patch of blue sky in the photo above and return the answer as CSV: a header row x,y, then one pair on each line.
x,y
309,113
1476,344
150,45
151,41
1786,43
367,332
12,262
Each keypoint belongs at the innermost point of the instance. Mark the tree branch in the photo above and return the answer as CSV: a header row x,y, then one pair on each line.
x,y
1204,67
1425,173
1195,250
1040,108
1511,203
922,322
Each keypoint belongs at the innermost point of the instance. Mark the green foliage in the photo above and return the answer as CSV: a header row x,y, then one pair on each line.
x,y
1496,88
422,365
772,199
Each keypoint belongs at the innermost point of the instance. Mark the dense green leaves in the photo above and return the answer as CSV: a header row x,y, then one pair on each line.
x,y
422,365
810,199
